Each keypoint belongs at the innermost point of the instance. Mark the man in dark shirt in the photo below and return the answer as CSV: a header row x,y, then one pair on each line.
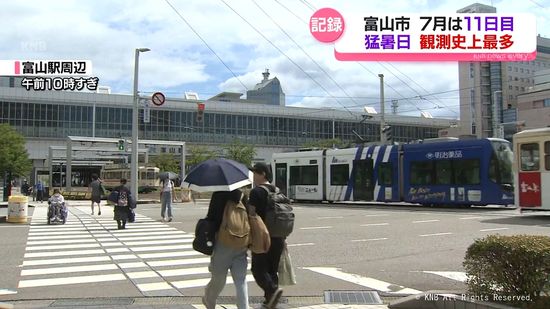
x,y
265,266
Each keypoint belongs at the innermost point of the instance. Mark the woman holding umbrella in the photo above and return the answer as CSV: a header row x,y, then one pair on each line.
x,y
166,196
224,178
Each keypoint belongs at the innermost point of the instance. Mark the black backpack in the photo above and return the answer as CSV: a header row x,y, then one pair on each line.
x,y
279,217
205,236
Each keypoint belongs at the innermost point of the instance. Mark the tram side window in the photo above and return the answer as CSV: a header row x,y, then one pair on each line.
x,y
467,172
304,175
443,172
385,174
339,174
530,157
422,173
547,155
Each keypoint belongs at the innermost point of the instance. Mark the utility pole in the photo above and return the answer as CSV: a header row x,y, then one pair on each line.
x,y
382,120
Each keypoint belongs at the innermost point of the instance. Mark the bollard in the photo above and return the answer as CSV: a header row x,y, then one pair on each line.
x,y
17,209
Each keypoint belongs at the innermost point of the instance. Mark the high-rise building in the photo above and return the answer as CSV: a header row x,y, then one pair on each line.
x,y
489,89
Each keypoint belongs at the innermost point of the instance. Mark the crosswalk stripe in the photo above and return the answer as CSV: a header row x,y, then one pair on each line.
x,y
58,237
70,269
130,230
70,280
453,275
61,247
184,271
66,260
155,233
142,274
65,241
156,286
63,253
159,237
158,242
177,262
159,248
202,282
132,265
168,254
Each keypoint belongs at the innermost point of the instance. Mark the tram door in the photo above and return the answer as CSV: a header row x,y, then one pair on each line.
x,y
280,177
363,177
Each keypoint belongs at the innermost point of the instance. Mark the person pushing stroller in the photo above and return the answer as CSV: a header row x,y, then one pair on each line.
x,y
57,210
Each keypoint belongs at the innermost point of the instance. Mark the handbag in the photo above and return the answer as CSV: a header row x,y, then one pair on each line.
x,y
286,271
205,236
259,235
113,197
131,215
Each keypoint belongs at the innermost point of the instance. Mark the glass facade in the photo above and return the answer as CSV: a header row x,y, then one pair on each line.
x,y
37,120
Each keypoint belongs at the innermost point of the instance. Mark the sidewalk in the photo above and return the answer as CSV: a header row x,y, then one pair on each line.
x,y
190,302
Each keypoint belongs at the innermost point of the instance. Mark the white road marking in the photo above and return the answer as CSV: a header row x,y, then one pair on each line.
x,y
315,227
159,237
184,271
202,282
65,241
336,217
63,253
70,269
168,254
495,229
453,275
87,236
142,274
124,257
117,250
70,280
177,262
158,242
375,224
370,239
156,286
160,248
7,291
435,234
470,218
62,247
67,260
377,215
132,265
363,281
299,245
425,221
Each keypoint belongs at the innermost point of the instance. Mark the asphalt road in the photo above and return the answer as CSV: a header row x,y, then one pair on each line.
x,y
393,249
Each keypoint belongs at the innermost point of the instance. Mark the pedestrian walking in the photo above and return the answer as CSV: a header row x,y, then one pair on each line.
x,y
39,191
166,198
25,188
96,189
265,265
123,204
226,257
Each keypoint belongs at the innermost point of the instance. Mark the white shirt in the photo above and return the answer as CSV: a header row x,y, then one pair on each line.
x,y
57,198
168,186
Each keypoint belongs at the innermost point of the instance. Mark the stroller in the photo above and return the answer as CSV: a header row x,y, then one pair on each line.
x,y
57,212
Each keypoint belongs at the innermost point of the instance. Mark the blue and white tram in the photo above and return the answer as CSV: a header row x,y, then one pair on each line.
x,y
459,172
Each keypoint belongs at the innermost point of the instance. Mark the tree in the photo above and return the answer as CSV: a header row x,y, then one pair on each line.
x,y
326,143
240,152
14,158
198,154
166,162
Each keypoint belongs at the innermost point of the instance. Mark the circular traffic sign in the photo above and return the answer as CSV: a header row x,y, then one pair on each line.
x,y
158,98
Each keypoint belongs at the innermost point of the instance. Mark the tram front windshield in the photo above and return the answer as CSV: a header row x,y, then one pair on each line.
x,y
504,160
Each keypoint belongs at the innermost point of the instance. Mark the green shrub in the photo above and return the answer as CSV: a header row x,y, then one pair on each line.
x,y
508,266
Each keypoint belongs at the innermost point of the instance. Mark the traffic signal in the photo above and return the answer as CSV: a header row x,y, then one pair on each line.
x,y
200,112
388,133
121,145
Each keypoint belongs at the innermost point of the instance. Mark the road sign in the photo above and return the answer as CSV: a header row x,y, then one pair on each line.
x,y
158,98
147,112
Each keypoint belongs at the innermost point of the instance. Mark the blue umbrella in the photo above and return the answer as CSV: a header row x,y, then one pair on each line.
x,y
218,175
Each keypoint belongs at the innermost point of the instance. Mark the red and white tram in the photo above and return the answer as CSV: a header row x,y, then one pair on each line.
x,y
532,169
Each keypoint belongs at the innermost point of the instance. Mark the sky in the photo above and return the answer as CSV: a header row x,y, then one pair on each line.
x,y
188,38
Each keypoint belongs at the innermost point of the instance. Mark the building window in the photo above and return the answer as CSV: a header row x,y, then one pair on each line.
x,y
517,88
547,155
509,78
471,70
510,87
523,89
516,69
516,78
546,103
528,71
521,70
509,68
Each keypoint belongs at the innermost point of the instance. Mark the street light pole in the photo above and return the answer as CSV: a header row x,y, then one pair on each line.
x,y
135,126
382,120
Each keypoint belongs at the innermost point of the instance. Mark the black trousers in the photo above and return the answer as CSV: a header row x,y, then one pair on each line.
x,y
265,267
